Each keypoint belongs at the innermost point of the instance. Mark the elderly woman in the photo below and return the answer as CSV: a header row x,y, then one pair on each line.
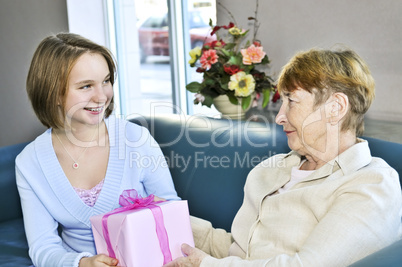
x,y
326,203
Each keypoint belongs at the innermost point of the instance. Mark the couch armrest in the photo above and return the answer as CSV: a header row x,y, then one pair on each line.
x,y
10,207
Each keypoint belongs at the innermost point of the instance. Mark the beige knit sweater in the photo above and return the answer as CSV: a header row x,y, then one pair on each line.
x,y
340,213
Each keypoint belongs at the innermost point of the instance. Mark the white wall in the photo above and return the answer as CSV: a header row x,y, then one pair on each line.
x,y
371,27
89,19
23,24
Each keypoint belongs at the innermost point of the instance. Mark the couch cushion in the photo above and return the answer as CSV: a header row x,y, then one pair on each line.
x,y
13,244
388,151
210,159
10,206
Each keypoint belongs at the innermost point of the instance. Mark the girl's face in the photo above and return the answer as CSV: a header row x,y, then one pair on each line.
x,y
89,91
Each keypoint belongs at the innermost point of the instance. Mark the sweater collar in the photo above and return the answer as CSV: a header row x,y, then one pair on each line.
x,y
65,192
351,160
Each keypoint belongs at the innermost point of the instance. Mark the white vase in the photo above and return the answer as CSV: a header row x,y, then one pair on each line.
x,y
229,110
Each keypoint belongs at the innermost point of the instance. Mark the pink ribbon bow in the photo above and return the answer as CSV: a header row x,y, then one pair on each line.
x,y
130,200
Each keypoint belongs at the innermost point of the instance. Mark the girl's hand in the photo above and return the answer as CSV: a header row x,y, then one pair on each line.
x,y
100,260
158,199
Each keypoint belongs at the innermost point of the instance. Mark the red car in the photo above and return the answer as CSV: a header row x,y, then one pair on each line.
x,y
154,34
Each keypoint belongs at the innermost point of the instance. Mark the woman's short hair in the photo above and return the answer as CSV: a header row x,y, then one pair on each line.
x,y
324,72
47,81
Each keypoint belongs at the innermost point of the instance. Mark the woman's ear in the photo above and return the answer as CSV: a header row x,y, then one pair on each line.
x,y
336,107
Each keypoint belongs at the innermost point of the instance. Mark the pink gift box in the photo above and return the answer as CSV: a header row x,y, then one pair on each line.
x,y
133,235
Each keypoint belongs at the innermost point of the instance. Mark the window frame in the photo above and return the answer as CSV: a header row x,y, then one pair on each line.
x,y
119,39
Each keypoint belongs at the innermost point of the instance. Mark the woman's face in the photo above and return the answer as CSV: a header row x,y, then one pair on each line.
x,y
304,125
89,90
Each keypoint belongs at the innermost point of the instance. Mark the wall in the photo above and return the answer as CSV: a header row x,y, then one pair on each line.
x,y
89,19
23,24
372,28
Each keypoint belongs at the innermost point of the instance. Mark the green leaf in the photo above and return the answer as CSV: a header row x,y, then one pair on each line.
x,y
247,68
265,60
207,101
235,60
209,82
193,87
245,103
226,52
233,99
224,86
224,82
229,46
265,97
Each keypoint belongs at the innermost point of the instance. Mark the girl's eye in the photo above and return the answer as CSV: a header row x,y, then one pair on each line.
x,y
106,81
85,86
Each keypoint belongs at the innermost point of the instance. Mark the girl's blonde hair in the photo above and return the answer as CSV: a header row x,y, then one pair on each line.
x,y
47,81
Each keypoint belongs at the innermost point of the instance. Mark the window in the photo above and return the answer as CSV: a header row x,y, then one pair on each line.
x,y
152,73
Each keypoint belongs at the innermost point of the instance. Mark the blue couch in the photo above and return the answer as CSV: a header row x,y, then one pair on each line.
x,y
209,160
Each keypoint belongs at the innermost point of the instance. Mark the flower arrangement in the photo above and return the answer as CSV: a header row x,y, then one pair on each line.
x,y
229,69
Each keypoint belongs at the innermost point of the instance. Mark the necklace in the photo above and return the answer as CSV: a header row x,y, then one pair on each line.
x,y
76,165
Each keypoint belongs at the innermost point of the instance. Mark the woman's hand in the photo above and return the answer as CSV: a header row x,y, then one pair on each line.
x,y
100,260
194,257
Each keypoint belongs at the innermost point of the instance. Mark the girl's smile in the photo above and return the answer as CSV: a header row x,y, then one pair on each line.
x,y
89,90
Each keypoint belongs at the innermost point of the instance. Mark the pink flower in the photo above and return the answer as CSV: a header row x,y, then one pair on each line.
x,y
230,25
254,103
199,98
232,69
257,43
200,70
214,44
217,28
276,96
252,54
208,58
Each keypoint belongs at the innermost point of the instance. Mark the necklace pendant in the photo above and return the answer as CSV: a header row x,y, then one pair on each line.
x,y
76,165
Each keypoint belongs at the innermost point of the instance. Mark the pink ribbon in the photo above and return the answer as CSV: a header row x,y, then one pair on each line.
x,y
130,200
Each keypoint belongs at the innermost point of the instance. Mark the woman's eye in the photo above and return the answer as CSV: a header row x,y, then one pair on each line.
x,y
85,86
106,81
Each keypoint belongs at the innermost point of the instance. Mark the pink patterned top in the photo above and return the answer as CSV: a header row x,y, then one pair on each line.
x,y
89,196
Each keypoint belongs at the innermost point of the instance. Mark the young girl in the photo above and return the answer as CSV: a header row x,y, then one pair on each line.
x,y
82,163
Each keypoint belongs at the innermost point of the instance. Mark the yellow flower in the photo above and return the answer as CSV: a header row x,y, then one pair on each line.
x,y
235,31
194,54
243,84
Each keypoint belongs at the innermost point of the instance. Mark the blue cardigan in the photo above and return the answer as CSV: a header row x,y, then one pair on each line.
x,y
48,199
